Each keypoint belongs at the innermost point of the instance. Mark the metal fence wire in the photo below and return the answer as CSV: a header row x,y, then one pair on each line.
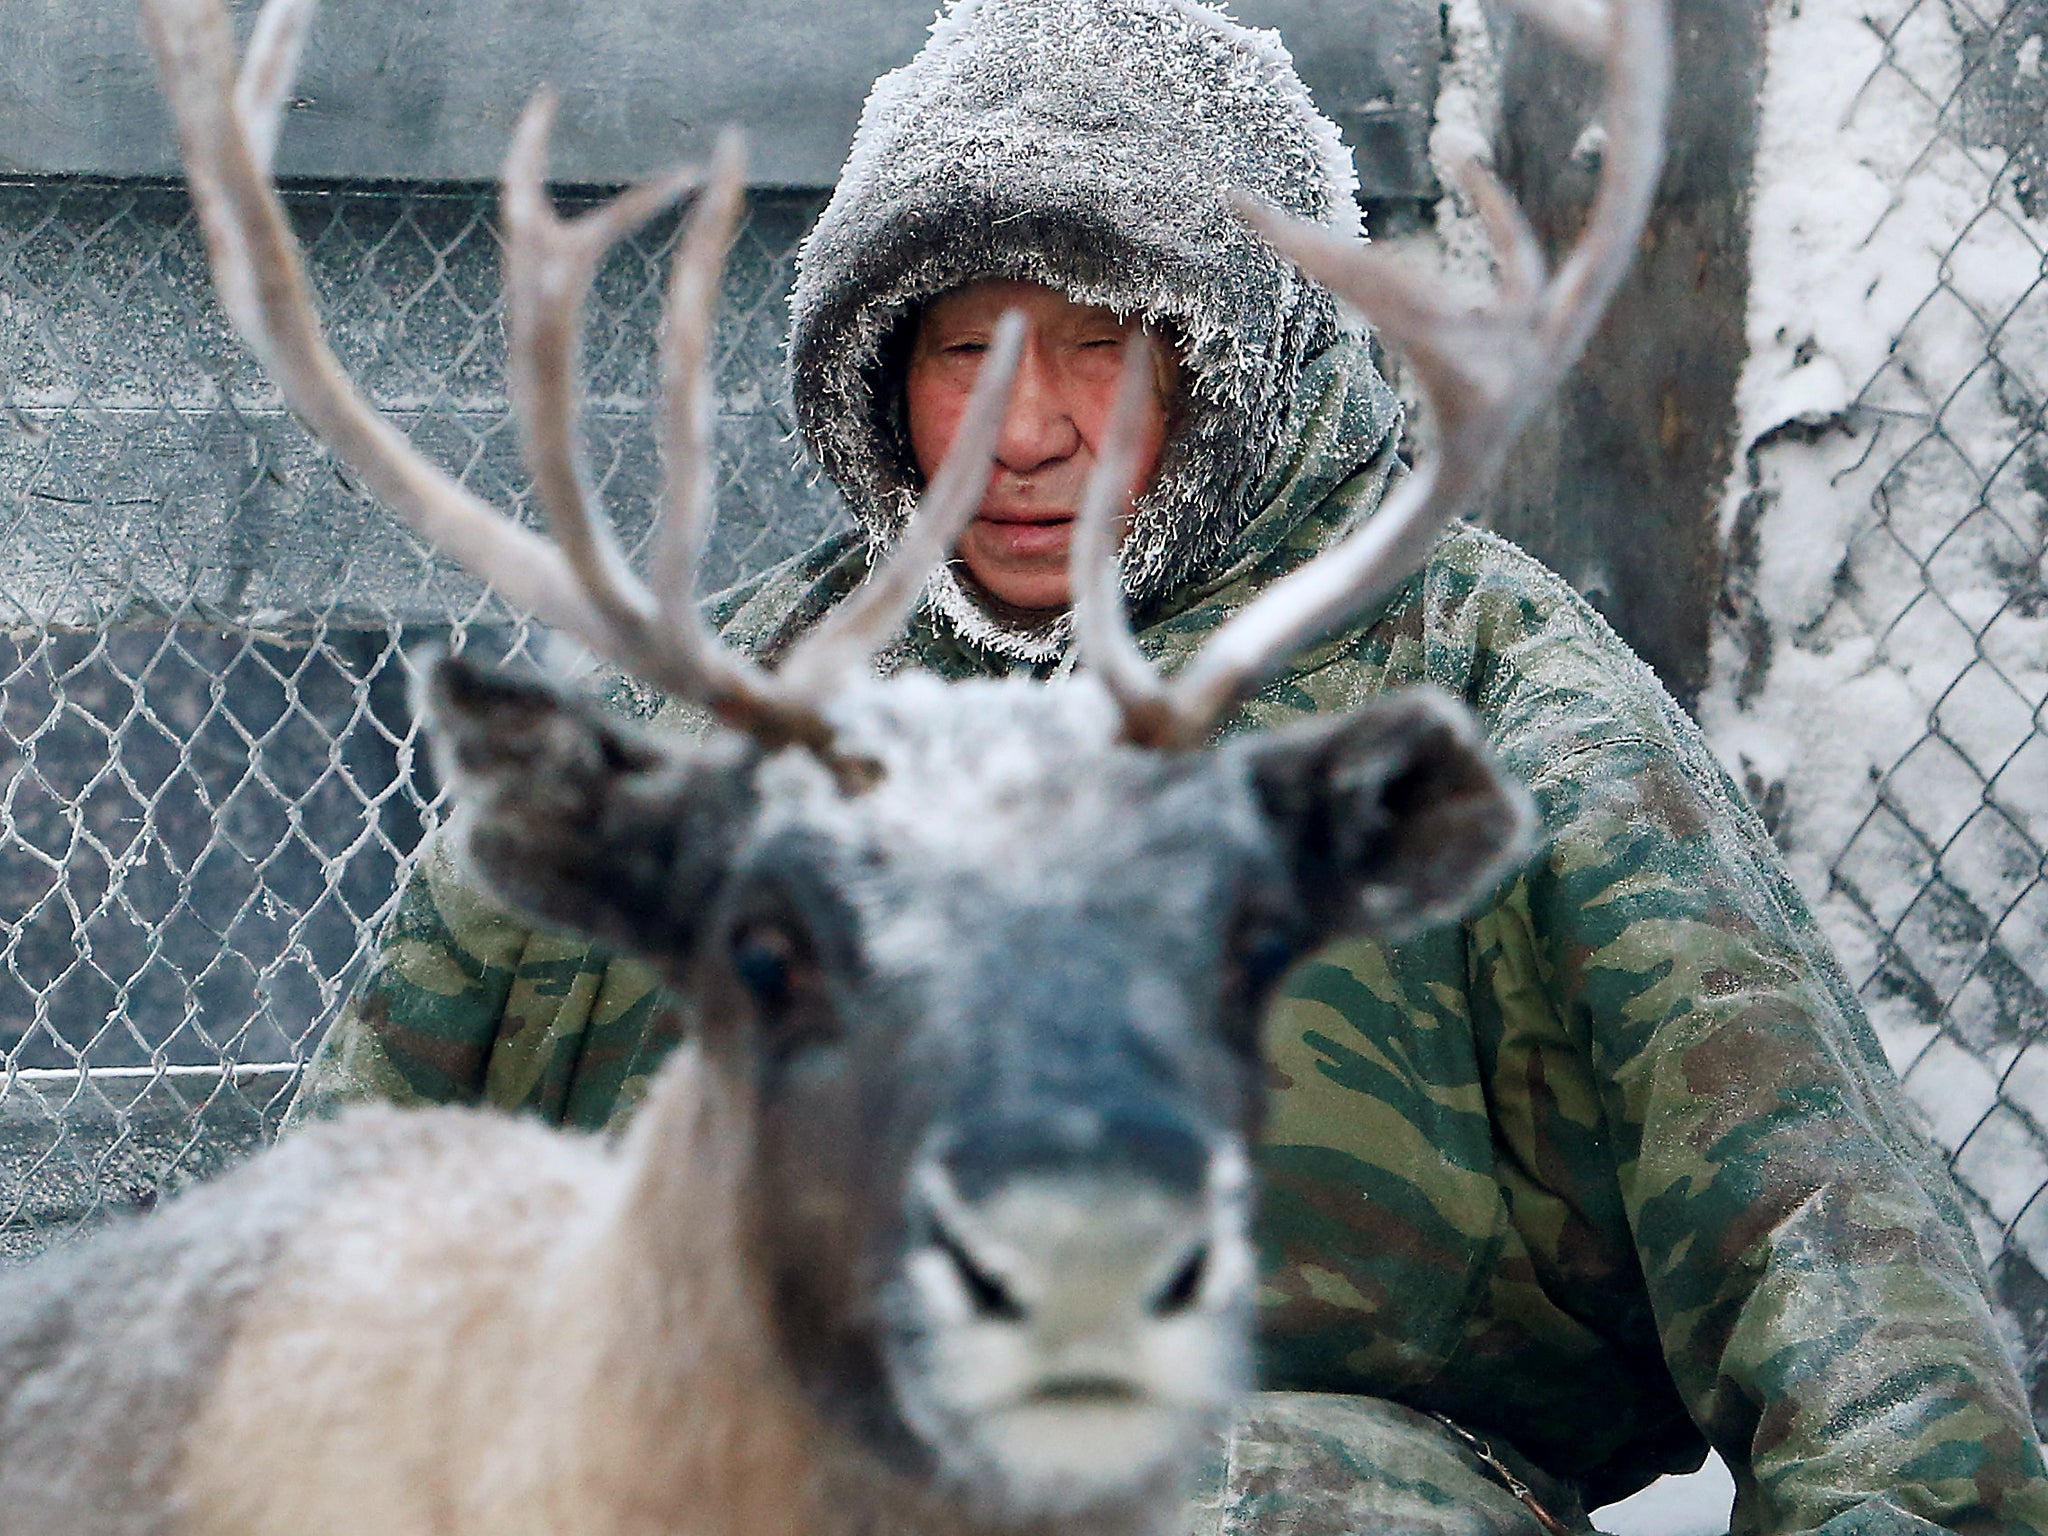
x,y
1962,512
218,780
1885,666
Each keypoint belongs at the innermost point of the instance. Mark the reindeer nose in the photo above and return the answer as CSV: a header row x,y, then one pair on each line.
x,y
1118,1142
1082,1224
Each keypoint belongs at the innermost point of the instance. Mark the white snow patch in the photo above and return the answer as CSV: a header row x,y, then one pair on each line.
x,y
1591,143
1467,118
1456,251
1697,1504
1954,1089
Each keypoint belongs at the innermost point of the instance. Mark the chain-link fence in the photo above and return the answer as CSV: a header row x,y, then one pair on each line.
x,y
1884,666
202,673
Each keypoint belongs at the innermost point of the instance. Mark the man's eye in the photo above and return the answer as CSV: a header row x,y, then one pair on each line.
x,y
965,348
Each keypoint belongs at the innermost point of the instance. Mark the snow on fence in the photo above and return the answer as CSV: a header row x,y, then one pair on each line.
x,y
1881,668
201,670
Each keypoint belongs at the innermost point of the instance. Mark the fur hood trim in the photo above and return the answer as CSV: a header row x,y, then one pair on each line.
x,y
1087,145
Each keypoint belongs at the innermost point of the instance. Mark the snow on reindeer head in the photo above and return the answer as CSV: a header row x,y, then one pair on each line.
x,y
984,961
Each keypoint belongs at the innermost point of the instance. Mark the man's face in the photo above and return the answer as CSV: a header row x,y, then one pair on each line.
x,y
1016,547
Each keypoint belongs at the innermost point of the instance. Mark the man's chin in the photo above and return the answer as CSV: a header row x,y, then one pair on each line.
x,y
1019,570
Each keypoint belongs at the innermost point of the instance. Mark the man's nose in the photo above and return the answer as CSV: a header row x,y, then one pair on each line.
x,y
1039,429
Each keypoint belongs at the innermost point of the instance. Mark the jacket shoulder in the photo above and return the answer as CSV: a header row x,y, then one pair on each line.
x,y
1548,676
761,616
765,613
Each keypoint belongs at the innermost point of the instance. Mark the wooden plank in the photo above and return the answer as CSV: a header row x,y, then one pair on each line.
x,y
428,91
1617,487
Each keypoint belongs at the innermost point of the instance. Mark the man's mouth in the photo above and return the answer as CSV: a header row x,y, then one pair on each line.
x,y
1026,534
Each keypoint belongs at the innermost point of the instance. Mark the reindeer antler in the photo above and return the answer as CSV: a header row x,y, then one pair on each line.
x,y
581,582
1483,373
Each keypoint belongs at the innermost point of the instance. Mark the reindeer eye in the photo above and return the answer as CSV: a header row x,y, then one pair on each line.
x,y
764,958
793,1013
1261,951
1264,959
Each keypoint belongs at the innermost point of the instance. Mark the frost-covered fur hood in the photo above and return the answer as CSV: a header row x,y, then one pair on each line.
x,y
1087,145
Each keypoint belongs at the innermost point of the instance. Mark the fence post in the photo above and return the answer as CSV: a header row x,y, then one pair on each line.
x,y
1617,485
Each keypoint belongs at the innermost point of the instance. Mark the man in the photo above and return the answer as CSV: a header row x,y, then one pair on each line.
x,y
1613,1169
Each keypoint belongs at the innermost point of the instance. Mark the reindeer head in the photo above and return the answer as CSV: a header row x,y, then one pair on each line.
x,y
987,959
999,1009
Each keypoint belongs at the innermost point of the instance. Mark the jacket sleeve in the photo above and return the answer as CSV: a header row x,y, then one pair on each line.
x,y
465,1004
1817,1294
420,1027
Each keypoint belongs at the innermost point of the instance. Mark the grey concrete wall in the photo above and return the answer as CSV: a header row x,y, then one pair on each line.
x,y
428,90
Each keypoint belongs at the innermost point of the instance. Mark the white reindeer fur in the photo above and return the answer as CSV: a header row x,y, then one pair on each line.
x,y
509,1331
444,1322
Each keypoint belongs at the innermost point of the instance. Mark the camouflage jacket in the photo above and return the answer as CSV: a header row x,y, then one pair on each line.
x,y
1614,1169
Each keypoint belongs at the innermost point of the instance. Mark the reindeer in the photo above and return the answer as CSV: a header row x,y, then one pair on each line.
x,y
940,1225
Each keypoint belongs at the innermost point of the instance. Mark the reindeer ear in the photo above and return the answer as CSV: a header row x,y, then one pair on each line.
x,y
579,822
1394,816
